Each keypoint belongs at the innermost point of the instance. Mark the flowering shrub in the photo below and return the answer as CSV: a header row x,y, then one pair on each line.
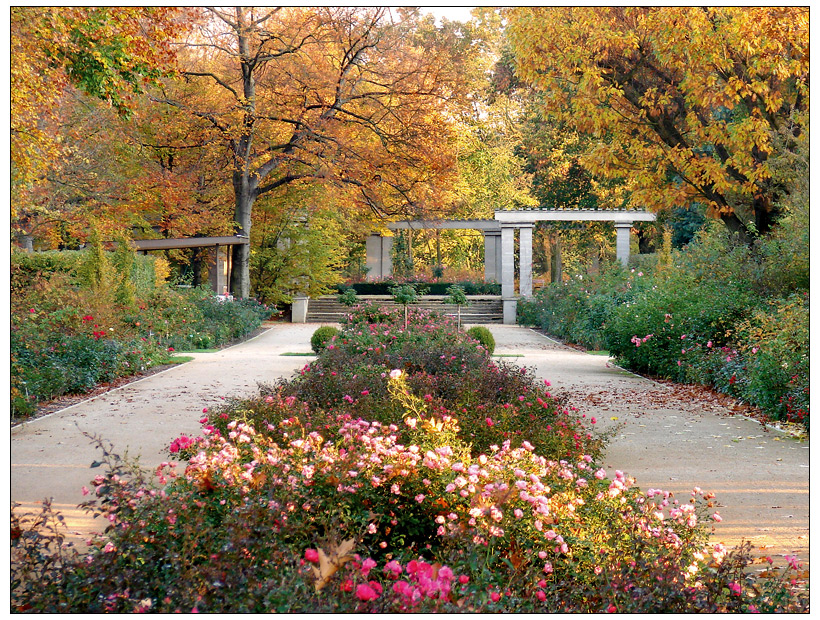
x,y
363,523
402,496
66,338
718,318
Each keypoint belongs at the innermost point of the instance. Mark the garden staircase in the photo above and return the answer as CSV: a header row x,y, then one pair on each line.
x,y
481,309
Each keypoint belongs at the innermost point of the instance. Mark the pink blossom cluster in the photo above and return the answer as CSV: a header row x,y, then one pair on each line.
x,y
474,499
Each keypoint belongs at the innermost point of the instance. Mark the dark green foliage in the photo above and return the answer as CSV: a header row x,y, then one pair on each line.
x,y
321,337
425,288
484,336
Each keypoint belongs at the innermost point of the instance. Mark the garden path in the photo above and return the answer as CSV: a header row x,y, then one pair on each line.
x,y
50,457
672,438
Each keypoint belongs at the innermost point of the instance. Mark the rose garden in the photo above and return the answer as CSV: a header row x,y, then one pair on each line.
x,y
552,266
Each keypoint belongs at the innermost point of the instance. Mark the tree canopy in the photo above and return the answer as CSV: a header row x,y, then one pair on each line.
x,y
683,101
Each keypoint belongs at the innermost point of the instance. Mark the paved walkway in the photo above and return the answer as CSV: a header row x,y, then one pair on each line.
x,y
663,436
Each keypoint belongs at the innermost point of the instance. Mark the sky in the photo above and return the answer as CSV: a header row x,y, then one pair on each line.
x,y
452,13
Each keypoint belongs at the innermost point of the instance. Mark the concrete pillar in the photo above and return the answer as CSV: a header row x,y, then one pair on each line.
x,y
525,259
510,306
498,258
387,257
377,256
492,259
507,260
622,242
299,310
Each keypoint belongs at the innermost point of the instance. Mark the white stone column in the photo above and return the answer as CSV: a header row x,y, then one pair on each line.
x,y
498,254
525,259
622,242
507,260
299,309
377,256
387,258
492,241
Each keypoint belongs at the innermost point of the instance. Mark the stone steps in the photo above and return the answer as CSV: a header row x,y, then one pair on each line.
x,y
482,308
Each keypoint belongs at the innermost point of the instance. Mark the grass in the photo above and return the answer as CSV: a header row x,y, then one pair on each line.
x,y
598,353
199,351
180,359
292,354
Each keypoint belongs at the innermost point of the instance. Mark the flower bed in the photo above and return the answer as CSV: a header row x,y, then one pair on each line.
x,y
66,338
716,318
402,471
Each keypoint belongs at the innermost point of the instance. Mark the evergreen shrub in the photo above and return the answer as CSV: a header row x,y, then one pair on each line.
x,y
484,336
322,337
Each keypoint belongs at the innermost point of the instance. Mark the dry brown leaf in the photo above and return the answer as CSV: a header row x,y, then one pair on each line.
x,y
330,562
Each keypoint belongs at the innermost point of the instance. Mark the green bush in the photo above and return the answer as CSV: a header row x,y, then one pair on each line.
x,y
28,266
715,316
322,336
349,297
484,336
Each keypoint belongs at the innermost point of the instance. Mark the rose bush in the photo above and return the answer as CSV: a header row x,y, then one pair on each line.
x,y
395,494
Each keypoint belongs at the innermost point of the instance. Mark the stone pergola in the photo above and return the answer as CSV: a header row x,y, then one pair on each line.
x,y
499,243
219,268
382,264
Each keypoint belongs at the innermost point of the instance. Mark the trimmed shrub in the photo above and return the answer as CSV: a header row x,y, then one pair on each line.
x,y
321,337
484,336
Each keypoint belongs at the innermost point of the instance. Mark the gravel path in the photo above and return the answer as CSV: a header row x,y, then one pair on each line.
x,y
668,437
675,438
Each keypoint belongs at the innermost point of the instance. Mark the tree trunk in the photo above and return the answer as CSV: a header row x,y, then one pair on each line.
x,y
240,254
556,268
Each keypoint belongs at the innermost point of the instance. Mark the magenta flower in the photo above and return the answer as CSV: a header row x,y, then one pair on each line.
x,y
367,566
311,555
365,592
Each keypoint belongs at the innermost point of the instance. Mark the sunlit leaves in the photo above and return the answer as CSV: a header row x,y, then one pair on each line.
x,y
684,99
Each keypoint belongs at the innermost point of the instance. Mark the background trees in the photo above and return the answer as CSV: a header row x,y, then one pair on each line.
x,y
682,101
183,122
355,98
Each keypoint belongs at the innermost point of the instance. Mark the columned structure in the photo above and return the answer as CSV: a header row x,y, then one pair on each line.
x,y
524,220
219,268
490,229
499,243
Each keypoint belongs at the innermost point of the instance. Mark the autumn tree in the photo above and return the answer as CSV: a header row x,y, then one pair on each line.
x,y
355,98
106,53
683,101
